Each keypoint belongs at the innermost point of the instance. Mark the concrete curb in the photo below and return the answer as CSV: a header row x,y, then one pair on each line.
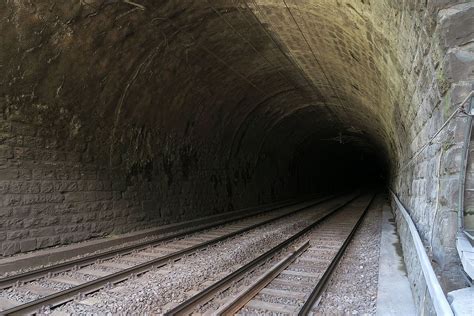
x,y
394,295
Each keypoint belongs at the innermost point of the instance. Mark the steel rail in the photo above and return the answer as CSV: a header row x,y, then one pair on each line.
x,y
242,299
91,259
318,289
187,306
67,295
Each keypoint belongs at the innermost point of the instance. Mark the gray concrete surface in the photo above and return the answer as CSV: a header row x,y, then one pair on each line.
x,y
466,254
462,301
394,295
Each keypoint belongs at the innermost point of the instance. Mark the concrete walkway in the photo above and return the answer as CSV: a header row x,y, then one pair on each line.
x,y
394,295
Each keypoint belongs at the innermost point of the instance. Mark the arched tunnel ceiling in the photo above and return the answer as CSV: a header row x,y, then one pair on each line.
x,y
246,74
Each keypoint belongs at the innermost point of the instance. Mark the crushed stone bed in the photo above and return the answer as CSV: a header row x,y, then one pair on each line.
x,y
352,288
157,290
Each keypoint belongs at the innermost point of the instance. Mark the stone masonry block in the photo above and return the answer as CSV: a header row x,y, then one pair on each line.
x,y
74,196
17,234
451,163
460,63
23,129
28,245
446,228
448,192
43,242
42,232
4,186
6,152
455,24
10,247
9,173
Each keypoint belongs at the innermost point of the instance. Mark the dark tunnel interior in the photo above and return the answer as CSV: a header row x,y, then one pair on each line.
x,y
174,110
337,165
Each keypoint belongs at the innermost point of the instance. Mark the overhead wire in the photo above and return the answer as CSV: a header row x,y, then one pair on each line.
x,y
459,109
312,51
249,43
287,55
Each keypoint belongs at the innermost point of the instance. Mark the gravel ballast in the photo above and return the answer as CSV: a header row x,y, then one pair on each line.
x,y
352,288
161,289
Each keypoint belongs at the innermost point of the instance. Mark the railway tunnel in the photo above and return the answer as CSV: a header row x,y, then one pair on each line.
x,y
118,116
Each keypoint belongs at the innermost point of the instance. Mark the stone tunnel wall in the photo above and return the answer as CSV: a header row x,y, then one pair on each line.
x,y
440,78
119,115
58,187
100,136
53,189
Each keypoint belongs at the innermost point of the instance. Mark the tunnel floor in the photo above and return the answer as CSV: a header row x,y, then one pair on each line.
x,y
356,286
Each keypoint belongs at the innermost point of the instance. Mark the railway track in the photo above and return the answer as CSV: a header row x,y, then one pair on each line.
x,y
294,284
89,259
89,274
